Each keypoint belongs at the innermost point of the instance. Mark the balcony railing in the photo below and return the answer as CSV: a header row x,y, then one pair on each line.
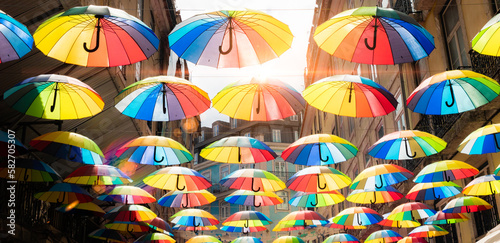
x,y
403,6
487,65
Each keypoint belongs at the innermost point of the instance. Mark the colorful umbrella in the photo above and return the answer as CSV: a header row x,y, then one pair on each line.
x,y
375,195
288,239
466,205
380,176
383,236
398,224
251,198
408,144
128,195
290,227
300,220
411,211
242,100
29,170
318,179
207,39
350,95
96,36
446,170
373,35
155,238
160,225
433,191
172,178
247,219
195,229
128,226
355,216
446,218
428,231
452,92
485,41
107,235
246,239
64,193
97,175
482,141
341,238
186,199
194,218
319,149
6,149
244,230
16,39
85,209
344,227
410,239
162,98
253,179
154,150
130,213
319,199
238,150
203,239
483,185
55,97
69,146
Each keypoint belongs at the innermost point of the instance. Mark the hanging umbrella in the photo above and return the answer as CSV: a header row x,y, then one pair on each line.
x,y
128,195
194,218
446,170
483,185
16,39
131,213
375,195
355,216
383,236
288,239
195,229
300,220
380,176
253,179
318,179
409,239
350,95
207,39
373,35
341,238
319,199
85,209
244,230
485,42
398,224
97,175
29,170
203,239
238,150
246,239
482,141
411,211
69,146
55,97
154,150
162,98
466,205
452,92
446,218
344,227
96,36
107,235
160,225
64,193
186,199
128,226
258,99
155,238
433,191
251,198
7,138
172,178
319,149
408,144
282,227
247,219
428,231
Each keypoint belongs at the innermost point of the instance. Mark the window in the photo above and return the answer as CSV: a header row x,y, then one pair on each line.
x,y
202,137
138,71
400,115
380,131
300,167
216,130
295,135
457,51
245,208
195,158
225,209
247,166
224,170
350,124
207,174
283,195
234,123
276,136
374,74
280,169
248,134
294,118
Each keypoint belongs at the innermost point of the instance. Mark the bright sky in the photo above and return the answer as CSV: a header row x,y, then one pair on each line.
x,y
289,67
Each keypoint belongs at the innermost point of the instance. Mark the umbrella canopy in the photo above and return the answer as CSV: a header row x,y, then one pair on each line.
x,y
300,220
55,97
289,226
244,230
128,226
30,171
380,176
485,42
288,239
318,179
383,236
319,199
428,231
258,99
195,229
85,209
373,35
131,213
341,238
375,195
107,235
128,195
207,39
446,170
96,36
238,150
203,239
186,199
452,92
410,239
155,238
247,219
483,185
246,239
98,175
344,227
194,217
162,98
64,193
446,218
355,216
482,141
251,198
411,211
69,146
408,144
7,138
319,149
160,225
398,224
16,39
253,179
154,150
466,205
350,95
172,178
433,191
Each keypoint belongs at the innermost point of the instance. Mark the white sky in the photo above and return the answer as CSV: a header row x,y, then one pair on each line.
x,y
289,67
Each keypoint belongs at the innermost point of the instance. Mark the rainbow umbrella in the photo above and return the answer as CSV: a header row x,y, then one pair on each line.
x,y
160,225
171,178
155,238
69,146
398,224
411,211
319,149
97,175
433,191
356,216
446,170
410,239
244,230
154,150
375,195
452,92
288,239
318,179
203,239
238,150
64,193
408,144
107,235
207,39
96,36
466,205
162,98
483,185
247,219
195,229
341,238
350,95
253,179
16,39
290,227
258,99
128,195
7,138
55,97
251,198
128,226
485,42
186,199
300,220
85,209
383,236
380,176
373,35
428,231
29,170
194,218
344,227
246,239
482,141
130,213
319,199
446,218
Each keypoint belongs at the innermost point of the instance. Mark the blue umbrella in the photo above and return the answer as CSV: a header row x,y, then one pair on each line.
x,y
15,39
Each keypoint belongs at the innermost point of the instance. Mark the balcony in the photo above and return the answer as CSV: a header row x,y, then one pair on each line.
x,y
487,65
403,6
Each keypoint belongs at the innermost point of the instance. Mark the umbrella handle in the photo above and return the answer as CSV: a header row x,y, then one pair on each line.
x,y
398,225
53,106
99,17
131,230
407,151
230,19
239,154
154,156
26,176
322,188
260,204
315,204
246,224
252,186
434,193
64,196
194,223
258,103
350,90
164,98
130,218
491,189
496,141
187,202
445,176
71,157
320,157
245,232
374,36
467,209
360,222
374,198
412,217
381,182
452,96
177,184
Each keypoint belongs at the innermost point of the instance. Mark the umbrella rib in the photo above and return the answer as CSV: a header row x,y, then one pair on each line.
x,y
75,26
123,46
